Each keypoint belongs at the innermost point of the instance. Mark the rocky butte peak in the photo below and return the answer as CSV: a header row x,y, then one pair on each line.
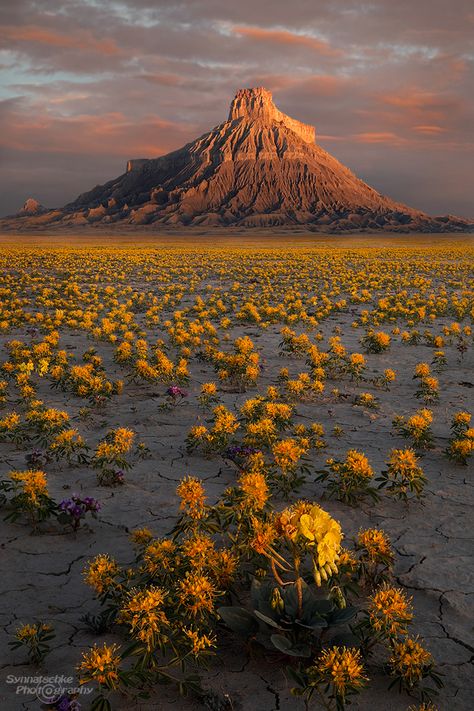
x,y
259,168
257,105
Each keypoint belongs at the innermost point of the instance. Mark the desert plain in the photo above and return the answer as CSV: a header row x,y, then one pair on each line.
x,y
188,298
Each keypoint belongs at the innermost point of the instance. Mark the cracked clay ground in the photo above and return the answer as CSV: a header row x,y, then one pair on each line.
x,y
42,574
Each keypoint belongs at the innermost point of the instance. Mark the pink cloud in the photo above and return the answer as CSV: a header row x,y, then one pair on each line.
x,y
284,37
413,107
324,84
162,79
76,39
107,134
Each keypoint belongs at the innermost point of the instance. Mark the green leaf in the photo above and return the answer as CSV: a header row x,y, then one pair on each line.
x,y
341,617
293,650
255,591
316,624
261,592
100,703
281,642
239,620
290,597
267,620
322,607
296,676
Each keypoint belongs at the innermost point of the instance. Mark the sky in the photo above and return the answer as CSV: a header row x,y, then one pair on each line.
x,y
87,84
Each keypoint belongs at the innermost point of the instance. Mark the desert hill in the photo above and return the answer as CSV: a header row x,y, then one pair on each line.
x,y
260,168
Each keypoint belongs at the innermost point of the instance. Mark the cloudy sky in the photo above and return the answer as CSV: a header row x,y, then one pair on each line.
x,y
87,84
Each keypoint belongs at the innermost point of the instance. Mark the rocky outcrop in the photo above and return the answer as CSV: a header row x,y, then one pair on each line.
x,y
32,207
260,168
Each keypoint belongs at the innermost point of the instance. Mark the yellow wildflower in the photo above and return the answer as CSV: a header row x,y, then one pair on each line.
x,y
100,664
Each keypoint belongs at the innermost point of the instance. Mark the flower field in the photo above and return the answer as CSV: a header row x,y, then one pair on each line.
x,y
237,477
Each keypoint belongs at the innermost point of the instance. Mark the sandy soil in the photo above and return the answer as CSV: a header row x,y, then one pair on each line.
x,y
42,574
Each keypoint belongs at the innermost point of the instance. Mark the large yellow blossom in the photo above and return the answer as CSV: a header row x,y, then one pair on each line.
x,y
321,530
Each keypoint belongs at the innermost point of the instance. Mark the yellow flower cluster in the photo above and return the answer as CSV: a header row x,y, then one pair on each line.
x,y
143,612
208,394
193,497
89,382
241,368
322,531
254,488
375,545
342,667
101,664
216,438
287,454
197,594
28,632
376,341
417,427
101,574
199,642
461,442
33,484
48,420
116,444
159,558
390,611
410,661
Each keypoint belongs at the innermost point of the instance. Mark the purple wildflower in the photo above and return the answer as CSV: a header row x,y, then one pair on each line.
x,y
240,451
76,508
119,476
175,391
91,504
67,704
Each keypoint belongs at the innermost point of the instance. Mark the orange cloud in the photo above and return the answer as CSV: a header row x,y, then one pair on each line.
x,y
81,39
379,137
413,107
284,37
429,130
411,100
107,134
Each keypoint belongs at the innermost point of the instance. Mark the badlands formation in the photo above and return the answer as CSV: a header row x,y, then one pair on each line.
x,y
260,168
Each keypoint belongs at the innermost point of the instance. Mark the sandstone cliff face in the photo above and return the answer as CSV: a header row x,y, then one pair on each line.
x,y
257,105
259,168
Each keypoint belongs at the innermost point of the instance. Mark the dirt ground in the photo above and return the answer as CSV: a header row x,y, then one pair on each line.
x,y
433,540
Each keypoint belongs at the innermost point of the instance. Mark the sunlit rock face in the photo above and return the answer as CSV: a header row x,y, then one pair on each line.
x,y
256,105
260,168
